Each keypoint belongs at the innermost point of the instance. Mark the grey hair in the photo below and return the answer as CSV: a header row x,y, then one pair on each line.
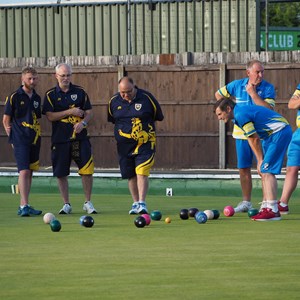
x,y
251,63
63,65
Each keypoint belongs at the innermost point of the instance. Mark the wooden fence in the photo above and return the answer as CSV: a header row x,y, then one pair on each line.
x,y
184,84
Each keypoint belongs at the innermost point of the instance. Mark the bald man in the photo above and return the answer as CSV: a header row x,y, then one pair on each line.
x,y
133,112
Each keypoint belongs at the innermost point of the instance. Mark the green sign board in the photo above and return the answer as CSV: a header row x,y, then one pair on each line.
x,y
281,40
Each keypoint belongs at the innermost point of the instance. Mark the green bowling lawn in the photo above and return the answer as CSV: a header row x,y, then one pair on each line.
x,y
227,258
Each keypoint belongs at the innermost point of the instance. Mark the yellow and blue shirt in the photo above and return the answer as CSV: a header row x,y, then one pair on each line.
x,y
237,89
297,93
258,119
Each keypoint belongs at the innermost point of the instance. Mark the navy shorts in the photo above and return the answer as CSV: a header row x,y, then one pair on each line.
x,y
139,164
78,151
27,156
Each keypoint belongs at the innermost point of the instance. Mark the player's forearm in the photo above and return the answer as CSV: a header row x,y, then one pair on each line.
x,y
7,130
259,101
6,124
58,115
88,115
255,144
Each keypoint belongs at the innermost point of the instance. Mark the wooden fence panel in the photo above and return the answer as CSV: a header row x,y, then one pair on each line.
x,y
188,138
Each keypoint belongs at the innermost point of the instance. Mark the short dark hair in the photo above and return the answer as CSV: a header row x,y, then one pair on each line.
x,y
224,103
30,70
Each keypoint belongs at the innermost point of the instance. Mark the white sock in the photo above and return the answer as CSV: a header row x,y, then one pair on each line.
x,y
283,204
263,205
273,204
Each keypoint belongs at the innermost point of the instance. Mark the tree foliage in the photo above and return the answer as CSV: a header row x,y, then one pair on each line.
x,y
282,15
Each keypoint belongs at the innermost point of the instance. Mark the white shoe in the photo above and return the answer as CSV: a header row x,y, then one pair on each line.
x,y
134,208
67,209
142,208
243,206
89,207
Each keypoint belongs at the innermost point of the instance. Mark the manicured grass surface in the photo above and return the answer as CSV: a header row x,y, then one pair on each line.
x,y
228,258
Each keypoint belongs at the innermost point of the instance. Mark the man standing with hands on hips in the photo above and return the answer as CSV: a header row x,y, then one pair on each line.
x,y
134,112
69,109
252,90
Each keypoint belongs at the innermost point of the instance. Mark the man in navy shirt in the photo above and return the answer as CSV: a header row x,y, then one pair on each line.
x,y
21,113
134,112
69,109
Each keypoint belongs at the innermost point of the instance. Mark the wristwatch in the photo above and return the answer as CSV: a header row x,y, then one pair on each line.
x,y
84,123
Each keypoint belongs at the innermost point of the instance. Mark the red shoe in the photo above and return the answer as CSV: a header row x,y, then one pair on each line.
x,y
283,210
267,214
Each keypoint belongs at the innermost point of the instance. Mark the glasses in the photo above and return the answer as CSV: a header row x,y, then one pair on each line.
x,y
65,75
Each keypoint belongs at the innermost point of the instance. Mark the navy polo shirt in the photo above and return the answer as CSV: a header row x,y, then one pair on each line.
x,y
55,101
24,113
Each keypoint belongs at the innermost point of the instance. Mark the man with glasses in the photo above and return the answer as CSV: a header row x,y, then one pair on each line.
x,y
134,111
69,109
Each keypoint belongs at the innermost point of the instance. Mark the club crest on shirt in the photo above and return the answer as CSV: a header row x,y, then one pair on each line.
x,y
138,106
35,104
74,97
